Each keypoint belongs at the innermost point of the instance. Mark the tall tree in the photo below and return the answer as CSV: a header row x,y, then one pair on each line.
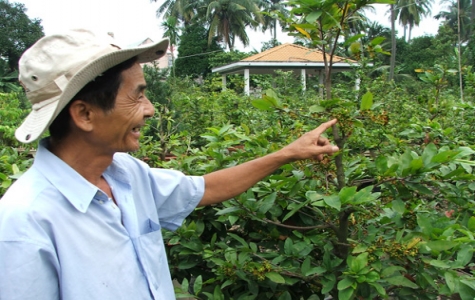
x,y
229,19
17,32
451,15
273,9
194,52
411,12
171,32
392,64
183,10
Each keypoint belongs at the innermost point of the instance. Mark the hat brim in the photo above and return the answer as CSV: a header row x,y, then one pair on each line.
x,y
40,119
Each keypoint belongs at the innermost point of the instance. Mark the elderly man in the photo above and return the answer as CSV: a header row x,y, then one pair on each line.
x,y
84,222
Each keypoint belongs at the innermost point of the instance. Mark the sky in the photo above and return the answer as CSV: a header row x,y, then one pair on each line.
x,y
133,21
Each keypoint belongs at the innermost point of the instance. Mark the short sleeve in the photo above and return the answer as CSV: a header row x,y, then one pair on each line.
x,y
176,195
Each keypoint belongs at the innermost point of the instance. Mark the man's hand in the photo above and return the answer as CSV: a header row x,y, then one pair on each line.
x,y
311,145
224,184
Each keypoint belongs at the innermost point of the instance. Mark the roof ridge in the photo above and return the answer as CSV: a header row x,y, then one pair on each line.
x,y
267,52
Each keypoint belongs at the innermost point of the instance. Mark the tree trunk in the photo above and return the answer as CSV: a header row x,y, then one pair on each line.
x,y
393,44
459,53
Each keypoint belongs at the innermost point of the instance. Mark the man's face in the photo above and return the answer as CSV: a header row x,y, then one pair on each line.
x,y
119,129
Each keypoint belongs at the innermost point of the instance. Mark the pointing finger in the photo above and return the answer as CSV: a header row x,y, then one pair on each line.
x,y
324,126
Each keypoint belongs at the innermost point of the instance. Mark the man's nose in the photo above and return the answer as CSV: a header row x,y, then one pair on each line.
x,y
149,109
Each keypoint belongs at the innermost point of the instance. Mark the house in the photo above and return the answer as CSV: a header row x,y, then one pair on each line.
x,y
287,57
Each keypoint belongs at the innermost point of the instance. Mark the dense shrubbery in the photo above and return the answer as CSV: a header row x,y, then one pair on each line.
x,y
401,227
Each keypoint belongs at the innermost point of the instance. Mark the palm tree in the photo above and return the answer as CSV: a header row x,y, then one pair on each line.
x,y
171,32
451,17
182,10
392,63
229,19
410,13
270,21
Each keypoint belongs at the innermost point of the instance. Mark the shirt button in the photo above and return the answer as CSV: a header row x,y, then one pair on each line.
x,y
101,202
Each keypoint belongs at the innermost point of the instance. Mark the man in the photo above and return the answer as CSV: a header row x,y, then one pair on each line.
x,y
84,222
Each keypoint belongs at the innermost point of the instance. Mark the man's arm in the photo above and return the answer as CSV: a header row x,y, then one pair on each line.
x,y
227,183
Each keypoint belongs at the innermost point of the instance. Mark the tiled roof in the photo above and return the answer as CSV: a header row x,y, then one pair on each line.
x,y
291,53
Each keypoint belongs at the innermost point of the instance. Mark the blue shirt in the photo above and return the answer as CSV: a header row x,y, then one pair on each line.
x,y
62,238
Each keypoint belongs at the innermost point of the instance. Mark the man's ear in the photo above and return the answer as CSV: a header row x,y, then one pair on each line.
x,y
82,114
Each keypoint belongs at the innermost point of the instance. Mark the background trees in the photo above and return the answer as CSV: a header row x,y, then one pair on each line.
x,y
17,33
394,218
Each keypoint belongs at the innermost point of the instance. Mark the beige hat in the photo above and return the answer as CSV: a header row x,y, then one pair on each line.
x,y
58,66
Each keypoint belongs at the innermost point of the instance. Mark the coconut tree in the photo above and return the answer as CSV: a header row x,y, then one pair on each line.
x,y
171,32
411,12
182,10
451,15
229,19
271,8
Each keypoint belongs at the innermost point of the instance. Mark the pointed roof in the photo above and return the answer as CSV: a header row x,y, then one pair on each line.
x,y
292,53
289,57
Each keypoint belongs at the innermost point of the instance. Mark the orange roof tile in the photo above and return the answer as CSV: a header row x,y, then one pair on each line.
x,y
291,53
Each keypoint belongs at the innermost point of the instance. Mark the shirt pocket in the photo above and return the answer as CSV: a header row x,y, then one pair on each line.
x,y
152,257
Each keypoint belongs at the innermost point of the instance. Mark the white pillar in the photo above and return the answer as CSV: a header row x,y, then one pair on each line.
x,y
224,82
303,75
246,82
357,83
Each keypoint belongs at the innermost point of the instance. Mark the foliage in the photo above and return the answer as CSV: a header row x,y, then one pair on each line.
x,y
400,228
194,52
17,32
13,159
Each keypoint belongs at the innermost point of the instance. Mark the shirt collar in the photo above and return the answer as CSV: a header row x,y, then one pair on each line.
x,y
70,183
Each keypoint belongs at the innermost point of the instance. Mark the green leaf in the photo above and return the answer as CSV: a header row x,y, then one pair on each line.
x,y
353,39
356,264
198,285
444,156
346,194
239,239
467,289
275,277
305,266
450,280
471,224
345,283
439,264
288,246
333,201
316,109
313,16
263,104
464,256
229,210
366,101
399,206
346,294
313,196
294,210
359,248
381,164
372,276
388,271
402,281
379,288
441,245
328,283
267,202
316,270
377,40
284,296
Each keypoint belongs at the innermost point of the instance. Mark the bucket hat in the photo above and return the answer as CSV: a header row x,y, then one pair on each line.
x,y
57,67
